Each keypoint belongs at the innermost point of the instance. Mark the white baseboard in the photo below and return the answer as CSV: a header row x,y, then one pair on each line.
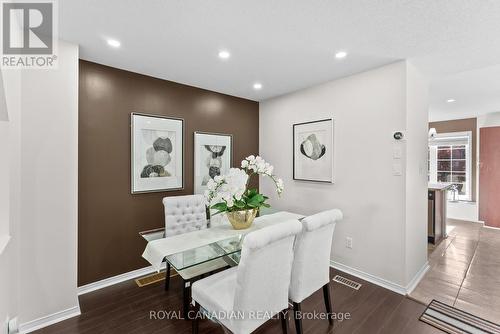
x,y
402,290
492,227
116,279
466,220
370,278
48,320
417,278
75,311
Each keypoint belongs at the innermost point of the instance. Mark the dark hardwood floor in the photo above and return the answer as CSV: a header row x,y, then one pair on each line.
x,y
125,308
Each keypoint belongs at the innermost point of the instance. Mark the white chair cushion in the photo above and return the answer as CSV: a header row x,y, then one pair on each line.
x,y
184,214
312,249
216,294
260,282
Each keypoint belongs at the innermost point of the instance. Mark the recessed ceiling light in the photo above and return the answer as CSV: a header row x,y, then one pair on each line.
x,y
450,100
257,86
224,54
114,43
340,54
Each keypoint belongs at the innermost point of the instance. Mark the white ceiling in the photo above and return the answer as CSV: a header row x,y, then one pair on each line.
x,y
289,45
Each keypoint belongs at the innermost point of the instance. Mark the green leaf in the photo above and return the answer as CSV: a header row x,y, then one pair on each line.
x,y
256,200
252,192
220,206
259,197
239,204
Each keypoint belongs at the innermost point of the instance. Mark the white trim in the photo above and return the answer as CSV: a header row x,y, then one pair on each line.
x,y
417,278
467,220
369,277
116,279
492,227
381,281
48,320
4,241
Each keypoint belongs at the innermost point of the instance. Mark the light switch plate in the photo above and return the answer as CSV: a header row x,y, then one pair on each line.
x,y
348,242
397,169
397,152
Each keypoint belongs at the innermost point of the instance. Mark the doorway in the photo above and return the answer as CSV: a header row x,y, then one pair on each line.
x,y
489,176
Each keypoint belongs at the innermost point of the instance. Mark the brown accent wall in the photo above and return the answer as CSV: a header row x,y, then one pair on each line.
x,y
459,125
110,218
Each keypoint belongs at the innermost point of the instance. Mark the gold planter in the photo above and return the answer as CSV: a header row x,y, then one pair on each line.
x,y
241,219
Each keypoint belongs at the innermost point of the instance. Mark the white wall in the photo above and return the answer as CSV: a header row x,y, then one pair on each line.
x,y
417,119
49,169
9,190
488,120
4,167
367,108
467,211
38,272
5,247
4,115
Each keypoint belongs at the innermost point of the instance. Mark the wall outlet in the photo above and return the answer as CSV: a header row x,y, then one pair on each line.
x,y
348,242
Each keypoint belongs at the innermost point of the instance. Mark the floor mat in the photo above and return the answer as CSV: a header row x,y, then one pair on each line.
x,y
452,320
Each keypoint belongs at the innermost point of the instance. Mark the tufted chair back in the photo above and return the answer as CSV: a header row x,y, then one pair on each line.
x,y
312,249
263,274
184,214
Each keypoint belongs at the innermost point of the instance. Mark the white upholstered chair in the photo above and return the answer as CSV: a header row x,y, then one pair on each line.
x,y
311,263
185,214
259,285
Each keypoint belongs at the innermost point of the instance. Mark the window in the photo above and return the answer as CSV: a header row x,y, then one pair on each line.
x,y
450,161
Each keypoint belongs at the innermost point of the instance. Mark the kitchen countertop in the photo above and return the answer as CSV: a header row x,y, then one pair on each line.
x,y
439,186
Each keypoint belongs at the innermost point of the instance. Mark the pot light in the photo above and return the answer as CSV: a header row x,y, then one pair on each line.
x,y
340,54
114,43
257,86
223,54
450,100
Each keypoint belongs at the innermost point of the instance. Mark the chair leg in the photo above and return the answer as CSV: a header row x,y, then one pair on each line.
x,y
328,302
195,321
297,316
283,315
167,277
186,298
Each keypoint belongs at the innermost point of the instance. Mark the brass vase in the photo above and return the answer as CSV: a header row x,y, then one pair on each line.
x,y
241,219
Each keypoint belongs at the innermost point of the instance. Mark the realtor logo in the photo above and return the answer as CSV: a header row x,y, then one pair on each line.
x,y
28,34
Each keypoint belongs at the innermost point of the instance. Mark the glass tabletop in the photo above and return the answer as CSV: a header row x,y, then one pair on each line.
x,y
227,248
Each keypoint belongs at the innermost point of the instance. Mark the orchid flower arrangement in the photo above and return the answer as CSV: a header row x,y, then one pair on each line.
x,y
230,192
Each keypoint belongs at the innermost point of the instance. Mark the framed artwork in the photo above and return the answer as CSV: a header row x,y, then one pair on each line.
x,y
213,155
313,144
157,157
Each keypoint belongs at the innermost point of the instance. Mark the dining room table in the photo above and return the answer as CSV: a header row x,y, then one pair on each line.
x,y
190,249
192,253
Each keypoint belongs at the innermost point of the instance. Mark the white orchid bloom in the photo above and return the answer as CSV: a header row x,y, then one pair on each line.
x,y
269,170
211,184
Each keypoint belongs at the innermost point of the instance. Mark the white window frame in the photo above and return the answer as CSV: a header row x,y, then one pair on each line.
x,y
443,139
